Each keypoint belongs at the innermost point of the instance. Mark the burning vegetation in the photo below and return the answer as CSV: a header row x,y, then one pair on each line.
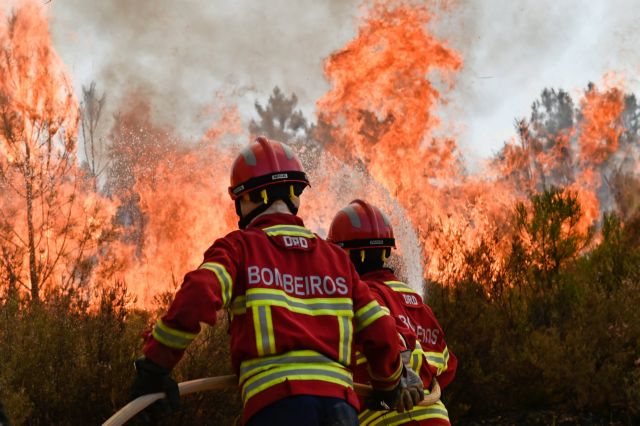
x,y
533,264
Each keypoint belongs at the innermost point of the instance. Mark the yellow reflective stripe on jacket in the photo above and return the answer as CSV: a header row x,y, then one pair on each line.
x,y
171,337
238,305
368,314
337,306
439,360
252,367
263,325
391,379
346,332
415,362
399,287
360,358
392,418
331,372
223,277
290,230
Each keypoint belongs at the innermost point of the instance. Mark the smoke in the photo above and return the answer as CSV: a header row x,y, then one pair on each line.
x,y
179,55
513,50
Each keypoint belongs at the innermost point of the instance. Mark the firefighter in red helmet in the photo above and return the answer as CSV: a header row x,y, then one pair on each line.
x,y
366,234
296,304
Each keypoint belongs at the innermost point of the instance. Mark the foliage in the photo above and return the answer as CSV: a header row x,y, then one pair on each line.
x,y
68,362
557,328
279,119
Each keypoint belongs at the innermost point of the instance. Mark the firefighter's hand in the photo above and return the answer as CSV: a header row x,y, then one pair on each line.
x,y
412,391
404,397
152,378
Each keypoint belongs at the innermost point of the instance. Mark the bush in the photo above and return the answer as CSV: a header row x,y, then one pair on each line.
x,y
562,333
66,362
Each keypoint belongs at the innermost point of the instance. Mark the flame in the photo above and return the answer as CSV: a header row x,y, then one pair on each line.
x,y
186,206
51,223
169,197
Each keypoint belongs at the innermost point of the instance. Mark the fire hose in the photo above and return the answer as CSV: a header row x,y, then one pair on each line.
x,y
224,382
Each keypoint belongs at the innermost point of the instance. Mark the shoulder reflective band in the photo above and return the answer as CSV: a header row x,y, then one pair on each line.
x,y
171,337
226,284
418,413
399,287
271,178
289,230
368,314
314,306
367,243
438,359
318,372
346,330
263,325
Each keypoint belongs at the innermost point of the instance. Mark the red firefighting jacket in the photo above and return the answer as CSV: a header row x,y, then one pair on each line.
x,y
430,358
296,305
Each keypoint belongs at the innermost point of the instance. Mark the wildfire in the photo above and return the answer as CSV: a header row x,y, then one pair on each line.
x,y
51,224
168,198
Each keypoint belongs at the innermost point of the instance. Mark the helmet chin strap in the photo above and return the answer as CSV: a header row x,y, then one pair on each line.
x,y
246,220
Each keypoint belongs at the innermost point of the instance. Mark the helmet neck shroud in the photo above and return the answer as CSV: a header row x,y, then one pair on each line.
x,y
367,260
266,197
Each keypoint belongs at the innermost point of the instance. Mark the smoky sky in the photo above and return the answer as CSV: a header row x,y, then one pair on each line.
x,y
514,49
180,53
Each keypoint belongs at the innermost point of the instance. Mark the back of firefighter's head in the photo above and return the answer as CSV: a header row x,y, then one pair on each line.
x,y
264,172
365,233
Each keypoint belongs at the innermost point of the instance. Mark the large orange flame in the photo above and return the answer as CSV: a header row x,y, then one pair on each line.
x,y
52,224
169,196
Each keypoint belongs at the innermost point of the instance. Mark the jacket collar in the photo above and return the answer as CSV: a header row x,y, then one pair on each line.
x,y
380,275
269,220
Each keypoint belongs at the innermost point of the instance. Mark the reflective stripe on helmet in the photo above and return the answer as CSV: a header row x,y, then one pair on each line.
x,y
171,337
268,180
367,243
361,225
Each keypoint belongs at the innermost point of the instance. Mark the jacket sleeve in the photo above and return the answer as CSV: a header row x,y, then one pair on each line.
x,y
407,336
442,362
377,336
203,292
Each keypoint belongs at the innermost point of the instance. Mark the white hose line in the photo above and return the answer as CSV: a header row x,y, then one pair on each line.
x,y
224,382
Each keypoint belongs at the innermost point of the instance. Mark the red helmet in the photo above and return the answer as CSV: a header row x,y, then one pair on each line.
x,y
360,226
264,163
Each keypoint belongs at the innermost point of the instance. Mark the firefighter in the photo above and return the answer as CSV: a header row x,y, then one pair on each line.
x,y
296,304
366,234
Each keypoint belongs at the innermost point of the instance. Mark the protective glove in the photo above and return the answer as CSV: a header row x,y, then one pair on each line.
x,y
412,390
403,397
152,378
